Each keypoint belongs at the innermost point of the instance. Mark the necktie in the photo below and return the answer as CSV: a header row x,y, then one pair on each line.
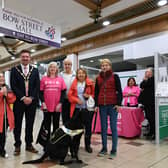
x,y
26,81
25,70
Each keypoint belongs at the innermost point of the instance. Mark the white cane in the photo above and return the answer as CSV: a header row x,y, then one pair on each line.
x,y
5,118
5,113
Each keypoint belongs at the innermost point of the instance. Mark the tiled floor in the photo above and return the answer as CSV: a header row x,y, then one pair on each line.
x,y
132,153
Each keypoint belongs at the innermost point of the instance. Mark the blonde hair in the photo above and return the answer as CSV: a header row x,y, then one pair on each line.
x,y
105,61
49,65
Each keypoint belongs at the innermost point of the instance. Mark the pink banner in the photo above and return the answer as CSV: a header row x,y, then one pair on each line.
x,y
128,124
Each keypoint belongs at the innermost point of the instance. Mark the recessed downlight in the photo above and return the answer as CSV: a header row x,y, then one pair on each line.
x,y
13,57
33,50
106,23
162,2
63,39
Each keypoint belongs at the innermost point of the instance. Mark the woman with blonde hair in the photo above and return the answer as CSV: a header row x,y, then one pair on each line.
x,y
52,94
108,97
81,89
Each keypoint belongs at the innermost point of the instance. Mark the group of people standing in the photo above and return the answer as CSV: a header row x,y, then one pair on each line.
x,y
66,92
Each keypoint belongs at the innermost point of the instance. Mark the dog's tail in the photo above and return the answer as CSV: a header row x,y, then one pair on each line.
x,y
40,160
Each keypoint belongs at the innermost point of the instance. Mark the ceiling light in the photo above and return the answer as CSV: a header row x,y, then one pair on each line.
x,y
91,61
12,58
32,50
162,2
106,23
63,39
2,35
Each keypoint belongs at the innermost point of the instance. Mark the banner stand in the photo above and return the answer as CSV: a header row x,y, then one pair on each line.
x,y
161,96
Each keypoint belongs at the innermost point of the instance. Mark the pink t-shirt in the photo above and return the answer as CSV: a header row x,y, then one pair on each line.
x,y
52,88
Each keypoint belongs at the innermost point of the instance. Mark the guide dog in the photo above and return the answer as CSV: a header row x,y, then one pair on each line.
x,y
65,137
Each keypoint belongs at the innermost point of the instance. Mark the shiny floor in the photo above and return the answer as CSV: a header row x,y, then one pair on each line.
x,y
132,153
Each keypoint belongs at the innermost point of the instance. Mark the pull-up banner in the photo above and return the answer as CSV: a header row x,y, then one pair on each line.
x,y
29,29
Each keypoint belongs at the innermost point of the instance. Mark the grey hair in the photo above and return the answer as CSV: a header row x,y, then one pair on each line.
x,y
67,60
50,64
150,69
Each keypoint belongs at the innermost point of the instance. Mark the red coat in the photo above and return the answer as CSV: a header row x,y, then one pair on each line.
x,y
73,94
10,116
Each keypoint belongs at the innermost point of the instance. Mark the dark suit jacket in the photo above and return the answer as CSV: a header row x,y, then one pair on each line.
x,y
18,85
147,96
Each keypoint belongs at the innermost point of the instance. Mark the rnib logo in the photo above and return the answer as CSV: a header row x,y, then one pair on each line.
x,y
50,32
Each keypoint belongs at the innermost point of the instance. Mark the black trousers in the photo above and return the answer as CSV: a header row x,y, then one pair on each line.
x,y
51,117
85,118
20,109
65,111
150,115
3,137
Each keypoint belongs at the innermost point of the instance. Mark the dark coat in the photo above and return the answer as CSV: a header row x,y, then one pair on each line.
x,y
147,96
18,85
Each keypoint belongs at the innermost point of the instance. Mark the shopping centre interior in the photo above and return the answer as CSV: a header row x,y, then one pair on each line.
x,y
130,33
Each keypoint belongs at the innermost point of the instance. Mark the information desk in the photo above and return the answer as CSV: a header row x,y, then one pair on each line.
x,y
128,124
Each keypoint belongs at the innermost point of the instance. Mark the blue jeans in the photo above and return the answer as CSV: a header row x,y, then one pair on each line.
x,y
104,112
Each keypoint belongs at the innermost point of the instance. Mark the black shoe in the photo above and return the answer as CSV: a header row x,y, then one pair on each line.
x,y
31,149
77,160
4,154
88,149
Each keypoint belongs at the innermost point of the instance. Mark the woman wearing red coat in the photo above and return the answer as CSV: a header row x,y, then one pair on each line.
x,y
80,90
6,98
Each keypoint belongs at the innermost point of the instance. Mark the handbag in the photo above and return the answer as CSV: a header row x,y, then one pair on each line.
x,y
90,104
43,135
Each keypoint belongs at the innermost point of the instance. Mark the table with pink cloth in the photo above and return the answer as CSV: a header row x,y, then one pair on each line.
x,y
128,123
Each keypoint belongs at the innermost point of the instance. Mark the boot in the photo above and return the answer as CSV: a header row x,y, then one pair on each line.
x,y
87,145
88,149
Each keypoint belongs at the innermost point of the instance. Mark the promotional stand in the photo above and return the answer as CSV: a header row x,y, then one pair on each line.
x,y
161,96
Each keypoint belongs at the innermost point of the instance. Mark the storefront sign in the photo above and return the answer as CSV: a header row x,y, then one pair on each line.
x,y
29,29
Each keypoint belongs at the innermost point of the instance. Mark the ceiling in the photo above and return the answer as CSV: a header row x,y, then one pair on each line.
x,y
77,19
118,63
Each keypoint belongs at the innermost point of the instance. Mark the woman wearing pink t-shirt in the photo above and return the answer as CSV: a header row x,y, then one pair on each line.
x,y
52,94
131,93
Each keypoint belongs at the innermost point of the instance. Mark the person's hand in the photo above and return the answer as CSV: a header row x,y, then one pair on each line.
x,y
27,100
116,107
80,101
86,95
58,107
129,94
44,107
145,77
96,109
4,90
